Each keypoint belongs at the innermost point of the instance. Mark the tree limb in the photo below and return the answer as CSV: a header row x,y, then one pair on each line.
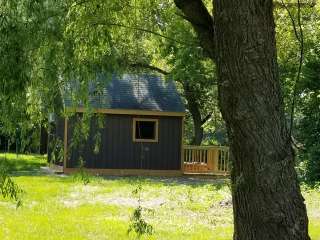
x,y
143,30
197,14
280,4
300,39
294,26
203,121
150,67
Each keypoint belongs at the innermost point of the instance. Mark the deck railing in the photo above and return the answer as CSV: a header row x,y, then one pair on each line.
x,y
206,159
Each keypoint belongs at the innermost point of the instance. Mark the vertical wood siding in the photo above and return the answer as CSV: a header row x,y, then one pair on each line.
x,y
56,133
118,151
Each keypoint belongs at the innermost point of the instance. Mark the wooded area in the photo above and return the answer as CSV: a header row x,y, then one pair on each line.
x,y
248,72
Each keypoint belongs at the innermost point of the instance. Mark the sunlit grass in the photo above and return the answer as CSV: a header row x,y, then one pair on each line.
x,y
61,207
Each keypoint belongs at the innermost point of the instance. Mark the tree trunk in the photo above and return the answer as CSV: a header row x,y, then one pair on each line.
x,y
194,108
267,200
43,140
198,133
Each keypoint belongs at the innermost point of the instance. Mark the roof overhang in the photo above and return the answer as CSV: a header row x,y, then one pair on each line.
x,y
126,111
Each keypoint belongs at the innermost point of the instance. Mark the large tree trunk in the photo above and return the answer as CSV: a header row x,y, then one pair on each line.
x,y
266,195
267,201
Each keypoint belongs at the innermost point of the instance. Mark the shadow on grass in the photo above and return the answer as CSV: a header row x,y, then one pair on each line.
x,y
30,165
170,181
22,164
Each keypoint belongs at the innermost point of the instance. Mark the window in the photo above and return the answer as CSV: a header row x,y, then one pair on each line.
x,y
145,130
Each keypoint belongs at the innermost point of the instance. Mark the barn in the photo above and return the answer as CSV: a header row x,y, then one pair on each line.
x,y
142,127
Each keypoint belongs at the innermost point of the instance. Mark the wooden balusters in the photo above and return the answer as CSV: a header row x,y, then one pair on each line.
x,y
206,159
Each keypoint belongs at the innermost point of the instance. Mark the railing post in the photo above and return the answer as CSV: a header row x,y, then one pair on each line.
x,y
210,159
206,159
216,159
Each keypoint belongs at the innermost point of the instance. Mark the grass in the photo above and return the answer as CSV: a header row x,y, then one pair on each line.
x,y
61,207
21,163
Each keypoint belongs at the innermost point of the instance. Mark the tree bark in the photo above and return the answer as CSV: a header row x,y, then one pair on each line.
x,y
266,195
194,109
197,14
267,200
197,124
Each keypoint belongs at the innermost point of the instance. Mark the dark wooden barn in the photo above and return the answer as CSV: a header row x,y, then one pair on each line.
x,y
142,128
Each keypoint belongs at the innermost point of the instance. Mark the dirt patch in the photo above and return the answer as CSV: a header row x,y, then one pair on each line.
x,y
118,201
91,195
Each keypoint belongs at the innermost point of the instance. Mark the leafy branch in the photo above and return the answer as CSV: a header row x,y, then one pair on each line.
x,y
143,30
298,32
137,222
8,188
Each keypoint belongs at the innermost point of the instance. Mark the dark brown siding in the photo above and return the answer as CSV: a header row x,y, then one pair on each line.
x,y
55,140
118,151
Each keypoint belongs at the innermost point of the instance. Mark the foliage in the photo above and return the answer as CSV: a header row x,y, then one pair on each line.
x,y
68,40
137,222
81,135
309,122
184,61
197,78
56,146
306,125
84,176
8,188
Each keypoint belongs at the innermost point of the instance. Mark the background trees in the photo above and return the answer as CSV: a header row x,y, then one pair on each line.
x,y
306,109
308,123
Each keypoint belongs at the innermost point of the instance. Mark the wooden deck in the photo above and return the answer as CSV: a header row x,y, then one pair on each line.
x,y
198,161
213,160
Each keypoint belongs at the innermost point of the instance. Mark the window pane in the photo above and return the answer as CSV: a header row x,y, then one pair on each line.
x,y
145,130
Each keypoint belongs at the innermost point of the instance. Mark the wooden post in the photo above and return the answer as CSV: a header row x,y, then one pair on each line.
x,y
216,159
210,159
224,161
65,143
182,148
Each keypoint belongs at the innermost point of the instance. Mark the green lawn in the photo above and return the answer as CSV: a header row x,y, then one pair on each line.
x,y
61,207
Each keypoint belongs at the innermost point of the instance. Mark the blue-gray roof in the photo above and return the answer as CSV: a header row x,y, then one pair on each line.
x,y
129,91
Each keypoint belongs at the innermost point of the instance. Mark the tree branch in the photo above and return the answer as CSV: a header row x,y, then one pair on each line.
x,y
294,26
281,4
150,67
197,14
144,30
203,121
300,39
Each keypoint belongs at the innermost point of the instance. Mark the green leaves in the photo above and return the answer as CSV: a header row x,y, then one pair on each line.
x,y
307,116
137,223
8,188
